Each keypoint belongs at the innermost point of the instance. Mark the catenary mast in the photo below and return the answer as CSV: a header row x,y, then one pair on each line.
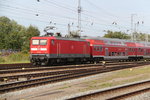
x,y
79,17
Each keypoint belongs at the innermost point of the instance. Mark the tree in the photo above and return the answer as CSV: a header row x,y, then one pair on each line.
x,y
15,36
119,35
31,31
141,36
5,28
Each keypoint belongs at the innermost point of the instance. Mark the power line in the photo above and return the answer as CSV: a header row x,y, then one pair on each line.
x,y
106,12
46,14
33,13
60,6
45,21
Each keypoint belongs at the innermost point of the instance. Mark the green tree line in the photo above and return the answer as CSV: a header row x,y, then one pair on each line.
x,y
121,35
14,36
118,35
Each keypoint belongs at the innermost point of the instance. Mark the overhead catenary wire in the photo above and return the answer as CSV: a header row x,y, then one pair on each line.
x,y
63,26
65,8
59,24
45,14
42,15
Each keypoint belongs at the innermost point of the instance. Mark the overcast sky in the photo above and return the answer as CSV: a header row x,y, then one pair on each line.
x,y
97,15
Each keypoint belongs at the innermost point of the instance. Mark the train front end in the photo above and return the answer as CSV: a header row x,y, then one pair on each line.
x,y
39,50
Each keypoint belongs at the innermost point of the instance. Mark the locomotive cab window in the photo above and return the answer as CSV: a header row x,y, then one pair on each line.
x,y
35,42
43,42
52,42
39,42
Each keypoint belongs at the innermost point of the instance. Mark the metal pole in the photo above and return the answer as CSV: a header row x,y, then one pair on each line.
x,y
79,17
68,28
147,38
132,27
132,35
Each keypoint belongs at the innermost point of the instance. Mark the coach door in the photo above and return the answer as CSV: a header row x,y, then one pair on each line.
x,y
145,52
126,52
106,52
58,49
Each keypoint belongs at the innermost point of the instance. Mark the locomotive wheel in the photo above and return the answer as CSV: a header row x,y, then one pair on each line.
x,y
34,64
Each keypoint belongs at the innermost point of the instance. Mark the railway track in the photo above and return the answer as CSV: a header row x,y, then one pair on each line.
x,y
15,66
117,93
25,69
42,72
37,68
52,77
29,65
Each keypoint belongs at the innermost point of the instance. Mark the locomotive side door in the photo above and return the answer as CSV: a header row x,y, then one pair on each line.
x,y
106,52
84,50
58,49
126,52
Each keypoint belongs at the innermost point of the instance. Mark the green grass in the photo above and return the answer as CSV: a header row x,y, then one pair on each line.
x,y
15,58
118,78
64,87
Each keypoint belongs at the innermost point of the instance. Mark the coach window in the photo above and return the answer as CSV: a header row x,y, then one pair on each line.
x,y
130,49
109,53
124,54
116,54
35,42
140,50
43,42
112,53
119,53
94,48
97,48
101,48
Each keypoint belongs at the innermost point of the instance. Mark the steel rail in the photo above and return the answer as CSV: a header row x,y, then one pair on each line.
x,y
47,73
115,93
45,80
53,68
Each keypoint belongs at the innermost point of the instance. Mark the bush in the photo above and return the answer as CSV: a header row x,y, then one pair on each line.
x,y
17,57
2,60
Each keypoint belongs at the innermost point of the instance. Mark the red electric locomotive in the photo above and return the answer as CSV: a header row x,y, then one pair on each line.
x,y
50,50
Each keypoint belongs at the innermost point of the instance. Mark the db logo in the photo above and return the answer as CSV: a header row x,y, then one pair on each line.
x,y
38,48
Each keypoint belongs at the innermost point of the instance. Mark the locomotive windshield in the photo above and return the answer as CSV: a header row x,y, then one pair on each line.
x,y
43,42
39,42
35,42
